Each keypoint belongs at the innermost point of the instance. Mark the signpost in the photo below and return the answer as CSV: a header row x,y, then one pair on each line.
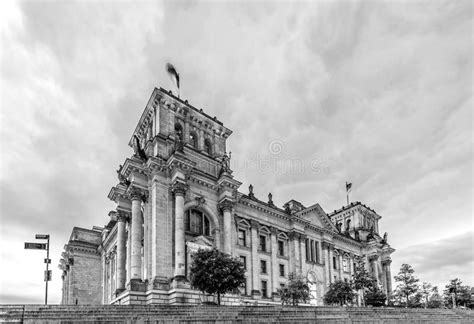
x,y
42,246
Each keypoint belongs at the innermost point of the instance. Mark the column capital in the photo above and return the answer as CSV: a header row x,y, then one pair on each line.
x,y
274,231
373,258
226,205
136,193
179,188
387,262
123,215
327,245
295,235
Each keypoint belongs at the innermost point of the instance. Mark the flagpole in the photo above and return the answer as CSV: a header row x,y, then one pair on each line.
x,y
347,195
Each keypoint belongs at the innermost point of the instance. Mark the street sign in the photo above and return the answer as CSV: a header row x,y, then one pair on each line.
x,y
47,275
47,261
42,236
35,246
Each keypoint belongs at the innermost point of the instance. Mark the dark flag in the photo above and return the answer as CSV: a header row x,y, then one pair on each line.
x,y
348,186
173,74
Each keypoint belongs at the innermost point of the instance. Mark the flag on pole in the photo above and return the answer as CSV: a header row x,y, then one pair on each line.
x,y
348,189
174,75
348,186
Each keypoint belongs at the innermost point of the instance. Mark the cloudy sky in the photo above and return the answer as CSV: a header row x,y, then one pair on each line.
x,y
378,93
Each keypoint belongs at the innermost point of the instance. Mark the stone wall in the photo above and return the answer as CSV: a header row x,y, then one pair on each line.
x,y
227,314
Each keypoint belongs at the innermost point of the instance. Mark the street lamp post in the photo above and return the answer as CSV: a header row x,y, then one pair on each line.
x,y
42,246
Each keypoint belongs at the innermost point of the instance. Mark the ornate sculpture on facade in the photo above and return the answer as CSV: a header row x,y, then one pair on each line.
x,y
178,142
356,235
251,195
270,199
138,151
371,236
225,163
385,238
121,178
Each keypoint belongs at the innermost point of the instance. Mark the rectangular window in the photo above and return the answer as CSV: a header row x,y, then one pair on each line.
x,y
312,250
244,261
344,265
307,249
242,237
282,270
317,252
263,266
334,264
264,289
243,288
263,243
281,248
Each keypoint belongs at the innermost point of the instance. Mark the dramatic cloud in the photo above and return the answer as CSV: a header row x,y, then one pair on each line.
x,y
317,93
440,260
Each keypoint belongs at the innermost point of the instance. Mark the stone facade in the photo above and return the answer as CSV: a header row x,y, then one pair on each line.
x,y
82,267
177,194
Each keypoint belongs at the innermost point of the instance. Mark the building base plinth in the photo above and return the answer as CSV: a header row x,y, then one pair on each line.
x,y
180,282
136,285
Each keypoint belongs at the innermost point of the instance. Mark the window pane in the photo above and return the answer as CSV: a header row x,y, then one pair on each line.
x,y
282,270
244,261
263,244
263,266
206,226
281,248
242,235
196,222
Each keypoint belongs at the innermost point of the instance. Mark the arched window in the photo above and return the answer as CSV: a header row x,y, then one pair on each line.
x,y
208,146
193,140
178,130
197,223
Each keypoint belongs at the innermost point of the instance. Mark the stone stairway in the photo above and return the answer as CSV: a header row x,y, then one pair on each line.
x,y
110,314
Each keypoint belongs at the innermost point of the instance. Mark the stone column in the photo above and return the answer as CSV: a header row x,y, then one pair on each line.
x,y
275,265
136,196
121,251
294,253
351,265
376,270
340,265
327,264
388,275
255,292
129,251
179,190
226,207
331,263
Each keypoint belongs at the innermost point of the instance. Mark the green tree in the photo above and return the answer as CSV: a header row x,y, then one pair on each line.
x,y
407,284
426,290
215,272
375,296
340,292
435,300
462,294
295,290
362,280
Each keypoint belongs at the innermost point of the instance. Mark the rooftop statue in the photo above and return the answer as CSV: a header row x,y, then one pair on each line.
x,y
138,151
